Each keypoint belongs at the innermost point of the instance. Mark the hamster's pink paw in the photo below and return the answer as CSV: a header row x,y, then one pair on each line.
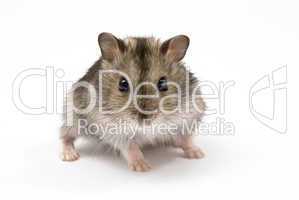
x,y
70,154
193,153
139,165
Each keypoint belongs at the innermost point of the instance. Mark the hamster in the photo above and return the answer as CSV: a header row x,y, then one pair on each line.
x,y
139,93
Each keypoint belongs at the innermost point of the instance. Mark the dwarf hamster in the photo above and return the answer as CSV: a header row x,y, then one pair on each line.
x,y
139,93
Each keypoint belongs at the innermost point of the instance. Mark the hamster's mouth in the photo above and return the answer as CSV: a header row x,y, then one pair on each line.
x,y
146,119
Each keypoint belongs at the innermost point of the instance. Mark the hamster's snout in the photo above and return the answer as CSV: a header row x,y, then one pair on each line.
x,y
147,109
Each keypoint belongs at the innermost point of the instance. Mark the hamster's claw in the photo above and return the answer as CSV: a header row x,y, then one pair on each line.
x,y
70,154
193,153
139,166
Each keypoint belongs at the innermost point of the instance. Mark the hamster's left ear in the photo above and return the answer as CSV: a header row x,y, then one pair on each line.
x,y
175,48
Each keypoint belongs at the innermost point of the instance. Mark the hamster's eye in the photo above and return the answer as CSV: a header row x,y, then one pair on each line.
x,y
162,84
123,85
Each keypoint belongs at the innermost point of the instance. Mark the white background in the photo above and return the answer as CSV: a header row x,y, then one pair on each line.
x,y
230,40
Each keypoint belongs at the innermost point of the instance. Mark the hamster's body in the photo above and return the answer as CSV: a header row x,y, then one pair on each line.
x,y
139,86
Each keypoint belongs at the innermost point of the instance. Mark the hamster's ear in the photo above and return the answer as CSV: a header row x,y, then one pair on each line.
x,y
110,46
175,48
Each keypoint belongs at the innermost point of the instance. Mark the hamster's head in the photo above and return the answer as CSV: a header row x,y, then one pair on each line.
x,y
143,78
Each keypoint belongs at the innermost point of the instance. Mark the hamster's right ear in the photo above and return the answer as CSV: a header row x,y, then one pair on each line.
x,y
110,46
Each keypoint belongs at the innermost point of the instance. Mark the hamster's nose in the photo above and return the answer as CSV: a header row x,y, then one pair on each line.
x,y
147,106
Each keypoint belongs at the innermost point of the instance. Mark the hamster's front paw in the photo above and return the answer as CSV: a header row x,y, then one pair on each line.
x,y
193,153
139,165
70,154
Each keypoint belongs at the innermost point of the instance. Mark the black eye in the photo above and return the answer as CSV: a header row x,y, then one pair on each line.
x,y
123,85
162,84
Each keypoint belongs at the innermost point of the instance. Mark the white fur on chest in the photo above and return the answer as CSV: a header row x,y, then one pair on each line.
x,y
118,132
